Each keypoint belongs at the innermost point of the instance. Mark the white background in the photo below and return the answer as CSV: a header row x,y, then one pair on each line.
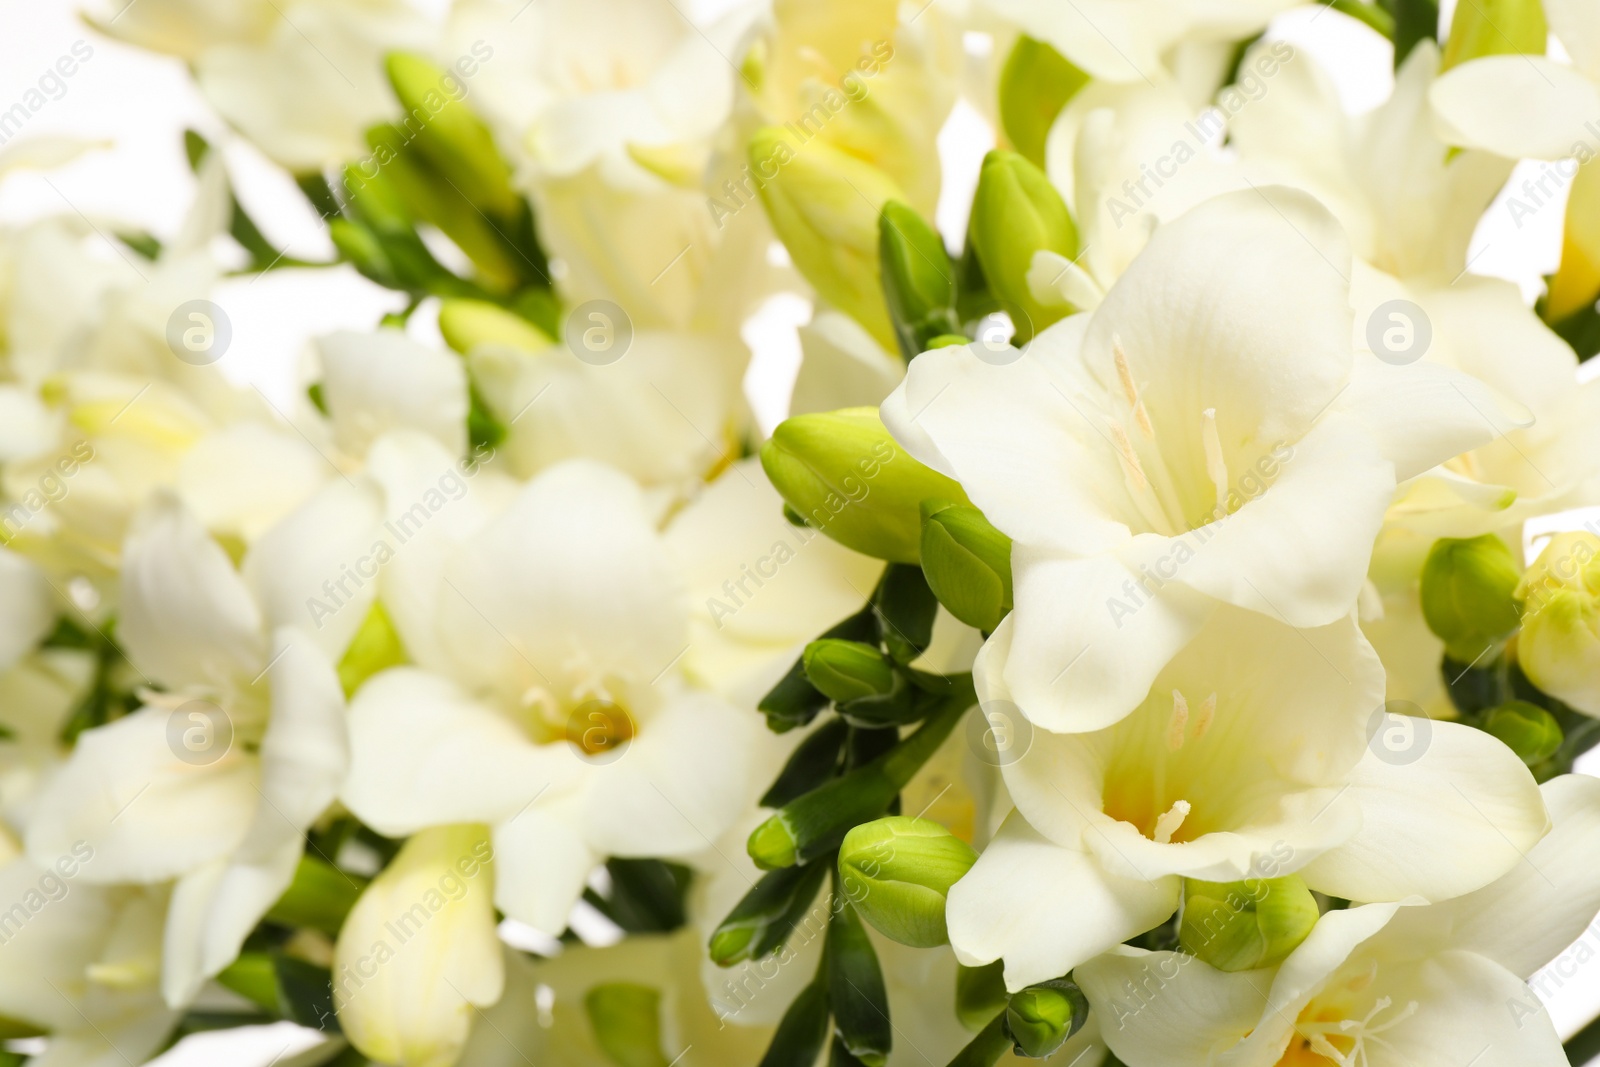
x,y
138,104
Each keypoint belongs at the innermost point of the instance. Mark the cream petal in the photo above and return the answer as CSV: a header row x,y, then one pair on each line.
x,y
27,607
1009,906
1085,641
1436,825
244,478
187,617
841,366
1523,919
148,814
1195,1015
384,380
314,570
1518,106
1298,552
669,793
574,565
1577,25
542,863
423,753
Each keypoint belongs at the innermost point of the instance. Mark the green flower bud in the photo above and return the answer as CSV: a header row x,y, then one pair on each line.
x,y
824,206
919,281
455,141
847,477
1495,28
967,562
1527,729
948,340
816,823
763,919
1015,213
898,871
1238,926
1559,647
1035,84
848,670
466,324
1041,1017
1467,595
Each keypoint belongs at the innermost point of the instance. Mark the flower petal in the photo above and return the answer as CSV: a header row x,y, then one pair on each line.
x,y
1199,1013
1457,817
542,863
1013,905
383,380
1517,106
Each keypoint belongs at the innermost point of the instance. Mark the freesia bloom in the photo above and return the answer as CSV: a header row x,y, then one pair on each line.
x,y
1384,985
1248,759
1205,436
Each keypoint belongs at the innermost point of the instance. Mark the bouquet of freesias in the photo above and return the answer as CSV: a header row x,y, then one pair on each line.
x,y
1158,630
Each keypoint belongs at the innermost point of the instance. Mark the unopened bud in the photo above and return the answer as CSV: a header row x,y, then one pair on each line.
x,y
1015,213
848,670
1559,647
1041,1017
454,139
824,206
466,324
967,563
1035,84
1467,595
898,871
1239,926
1575,286
1527,729
847,477
919,281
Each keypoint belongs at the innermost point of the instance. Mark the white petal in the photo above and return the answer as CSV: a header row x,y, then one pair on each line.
x,y
1085,641
1523,919
841,366
381,381
570,587
1423,414
187,617
423,753
669,792
27,607
148,815
541,864
1012,905
1197,1014
214,908
759,588
1240,305
1298,552
246,477
1517,106
1463,813
64,929
314,570
1577,25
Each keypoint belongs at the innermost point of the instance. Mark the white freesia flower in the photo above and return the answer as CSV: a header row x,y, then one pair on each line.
x,y
1206,436
215,780
380,381
418,952
1247,759
842,366
550,699
82,961
1530,106
1383,985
